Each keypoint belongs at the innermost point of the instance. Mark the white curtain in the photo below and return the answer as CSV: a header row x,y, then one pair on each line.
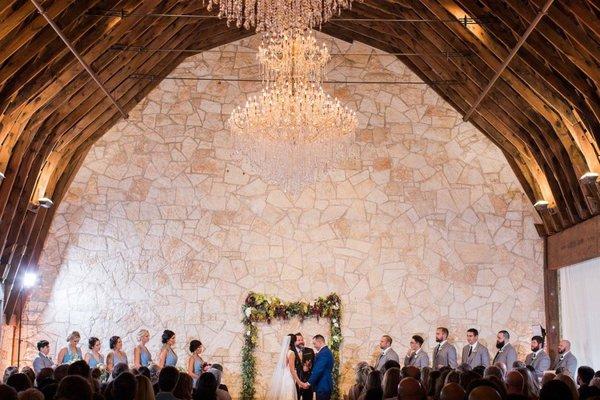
x,y
580,310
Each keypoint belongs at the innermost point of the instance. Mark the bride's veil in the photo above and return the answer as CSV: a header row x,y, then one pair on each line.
x,y
277,385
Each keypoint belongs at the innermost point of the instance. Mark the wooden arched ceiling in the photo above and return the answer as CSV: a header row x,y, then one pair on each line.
x,y
543,112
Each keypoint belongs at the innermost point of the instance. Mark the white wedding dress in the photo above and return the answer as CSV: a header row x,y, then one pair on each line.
x,y
282,386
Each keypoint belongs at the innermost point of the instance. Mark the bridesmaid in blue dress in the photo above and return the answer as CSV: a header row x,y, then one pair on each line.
x,y
195,362
71,353
141,355
167,356
93,357
116,355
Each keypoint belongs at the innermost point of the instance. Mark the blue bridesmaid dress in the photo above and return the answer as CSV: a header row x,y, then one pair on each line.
x,y
71,357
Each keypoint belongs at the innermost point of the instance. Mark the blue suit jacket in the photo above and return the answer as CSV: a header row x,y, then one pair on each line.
x,y
321,379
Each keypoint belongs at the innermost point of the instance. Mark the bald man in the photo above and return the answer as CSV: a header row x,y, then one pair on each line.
x,y
484,393
410,389
452,391
566,359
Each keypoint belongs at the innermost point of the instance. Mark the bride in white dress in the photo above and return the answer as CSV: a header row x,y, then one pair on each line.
x,y
285,378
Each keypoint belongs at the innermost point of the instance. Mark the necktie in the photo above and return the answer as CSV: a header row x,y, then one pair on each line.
x,y
470,350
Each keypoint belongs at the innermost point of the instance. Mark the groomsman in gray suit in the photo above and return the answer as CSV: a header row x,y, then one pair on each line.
x,y
444,354
474,353
415,356
42,360
387,353
506,354
538,359
566,359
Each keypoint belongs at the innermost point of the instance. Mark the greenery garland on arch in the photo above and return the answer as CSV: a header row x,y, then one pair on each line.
x,y
260,308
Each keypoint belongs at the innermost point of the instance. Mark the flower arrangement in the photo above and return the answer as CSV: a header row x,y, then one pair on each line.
x,y
260,308
104,375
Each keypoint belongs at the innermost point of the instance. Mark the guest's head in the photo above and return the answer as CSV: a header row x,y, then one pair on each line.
x,y
530,386
144,371
472,336
318,342
464,367
43,347
502,367
94,344
206,387
373,380
217,366
584,375
441,334
124,387
185,386
411,372
385,342
73,338
119,369
502,338
564,346
196,347
8,372
570,383
390,364
60,372
492,370
514,383
168,337
547,377
479,370
467,377
410,389
45,376
431,385
115,343
144,388
19,382
74,387
416,342
452,391
80,368
7,393
555,390
518,364
31,394
49,391
484,393
30,374
390,382
537,343
453,377
143,336
362,371
167,379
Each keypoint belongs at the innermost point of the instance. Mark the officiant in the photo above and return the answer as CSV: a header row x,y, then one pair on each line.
x,y
304,362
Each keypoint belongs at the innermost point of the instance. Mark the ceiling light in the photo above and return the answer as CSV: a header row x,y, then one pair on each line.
x,y
2,176
45,202
589,177
541,205
29,279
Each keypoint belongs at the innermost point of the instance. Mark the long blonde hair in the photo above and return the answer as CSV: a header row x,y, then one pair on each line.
x,y
144,389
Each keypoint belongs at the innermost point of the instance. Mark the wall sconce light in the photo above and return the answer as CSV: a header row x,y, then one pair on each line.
x,y
541,205
45,202
29,279
589,177
2,176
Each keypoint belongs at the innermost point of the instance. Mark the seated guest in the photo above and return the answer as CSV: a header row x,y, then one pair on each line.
x,y
531,388
373,385
19,382
564,377
584,377
220,368
124,387
144,388
60,372
116,355
72,352
411,372
506,352
167,380
42,360
221,394
144,371
30,374
452,391
492,370
484,393
566,359
452,377
195,361
415,356
93,357
31,394
167,356
555,390
80,368
444,354
74,387
8,372
514,386
7,393
49,390
474,353
410,389
184,388
206,387
361,371
44,377
390,382
119,369
387,353
502,367
538,359
141,354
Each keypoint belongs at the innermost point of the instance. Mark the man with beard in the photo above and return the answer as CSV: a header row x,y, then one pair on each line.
x,y
538,359
566,359
303,366
444,354
506,354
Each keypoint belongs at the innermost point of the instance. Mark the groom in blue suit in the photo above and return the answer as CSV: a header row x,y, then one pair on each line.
x,y
321,378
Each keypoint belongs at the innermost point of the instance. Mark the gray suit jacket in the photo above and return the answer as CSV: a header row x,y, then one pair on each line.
x,y
41,361
506,355
479,356
419,360
569,362
541,363
390,354
445,357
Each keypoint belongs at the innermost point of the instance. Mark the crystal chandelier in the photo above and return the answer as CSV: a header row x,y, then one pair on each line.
x,y
277,16
293,131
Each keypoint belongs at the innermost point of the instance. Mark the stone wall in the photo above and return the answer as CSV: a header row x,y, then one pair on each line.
x,y
165,227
